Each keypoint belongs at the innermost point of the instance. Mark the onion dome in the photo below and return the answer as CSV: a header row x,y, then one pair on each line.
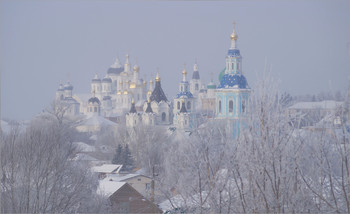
x,y
183,107
184,94
184,72
233,81
96,79
149,108
60,87
107,79
233,52
126,92
68,86
133,108
211,85
157,77
149,92
158,93
116,68
136,68
119,92
106,97
94,100
195,74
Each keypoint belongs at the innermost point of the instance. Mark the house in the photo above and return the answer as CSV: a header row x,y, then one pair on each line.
x,y
306,114
105,169
141,183
124,198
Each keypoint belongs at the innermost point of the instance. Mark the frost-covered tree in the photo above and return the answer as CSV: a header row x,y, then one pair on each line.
x,y
39,174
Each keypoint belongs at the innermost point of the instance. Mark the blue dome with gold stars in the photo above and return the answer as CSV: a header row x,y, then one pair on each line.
x,y
187,94
233,81
233,52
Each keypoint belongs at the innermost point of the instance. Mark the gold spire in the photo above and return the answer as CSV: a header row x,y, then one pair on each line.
x,y
157,77
148,100
184,72
234,35
132,101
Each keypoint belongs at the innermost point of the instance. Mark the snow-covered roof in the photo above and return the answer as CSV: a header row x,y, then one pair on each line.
x,y
83,147
107,187
178,201
122,177
93,137
326,104
107,168
96,120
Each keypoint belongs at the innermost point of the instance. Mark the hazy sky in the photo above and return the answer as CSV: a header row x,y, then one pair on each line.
x,y
45,42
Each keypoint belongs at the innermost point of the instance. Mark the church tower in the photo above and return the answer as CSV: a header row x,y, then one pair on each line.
x,y
159,104
195,83
183,98
233,92
132,118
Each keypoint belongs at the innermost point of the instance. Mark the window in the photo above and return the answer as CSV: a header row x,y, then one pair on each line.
x,y
230,106
178,105
237,66
62,97
243,106
232,66
95,109
196,86
219,106
188,105
163,116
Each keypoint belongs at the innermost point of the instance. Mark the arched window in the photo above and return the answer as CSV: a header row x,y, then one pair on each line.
x,y
188,105
243,106
196,86
62,97
232,66
163,116
237,66
230,106
220,107
95,109
178,105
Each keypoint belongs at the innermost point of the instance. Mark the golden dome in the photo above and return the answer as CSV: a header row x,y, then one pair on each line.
x,y
151,81
132,85
119,92
149,92
125,92
234,36
136,68
144,82
157,77
184,72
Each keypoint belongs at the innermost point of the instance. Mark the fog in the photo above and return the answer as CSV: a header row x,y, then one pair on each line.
x,y
307,44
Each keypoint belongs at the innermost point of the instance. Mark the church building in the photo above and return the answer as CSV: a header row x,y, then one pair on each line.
x,y
232,94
